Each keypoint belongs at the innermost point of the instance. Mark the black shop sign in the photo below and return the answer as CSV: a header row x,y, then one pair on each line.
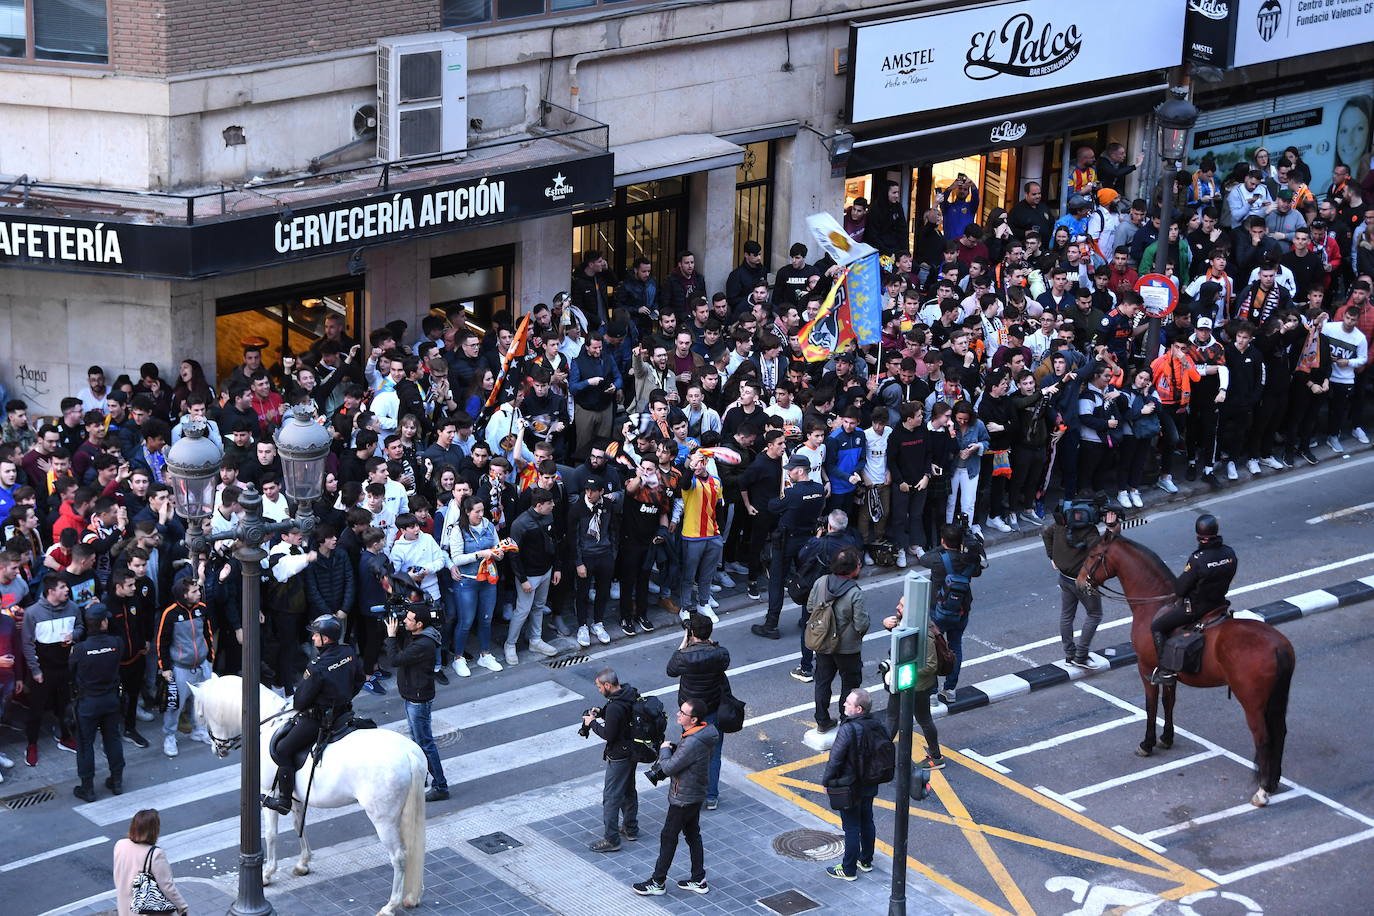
x,y
29,238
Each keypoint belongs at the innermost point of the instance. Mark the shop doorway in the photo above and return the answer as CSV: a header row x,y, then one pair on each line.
x,y
473,286
647,220
285,319
994,174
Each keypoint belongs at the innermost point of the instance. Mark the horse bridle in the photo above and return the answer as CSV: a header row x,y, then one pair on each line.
x,y
1102,589
222,746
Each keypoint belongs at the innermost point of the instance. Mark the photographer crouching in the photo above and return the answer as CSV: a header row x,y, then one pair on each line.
x,y
687,764
412,657
619,795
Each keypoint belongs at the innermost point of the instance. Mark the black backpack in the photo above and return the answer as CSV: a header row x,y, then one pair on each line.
x,y
803,577
648,728
877,755
955,595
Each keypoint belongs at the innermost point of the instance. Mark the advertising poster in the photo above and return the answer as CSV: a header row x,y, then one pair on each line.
x,y
1330,129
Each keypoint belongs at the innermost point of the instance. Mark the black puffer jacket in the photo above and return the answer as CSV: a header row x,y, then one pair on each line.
x,y
701,667
413,661
330,584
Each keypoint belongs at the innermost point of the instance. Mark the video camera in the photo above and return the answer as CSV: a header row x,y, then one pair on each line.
x,y
974,545
1089,513
406,594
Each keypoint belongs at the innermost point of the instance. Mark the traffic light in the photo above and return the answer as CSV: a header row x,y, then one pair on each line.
x,y
906,653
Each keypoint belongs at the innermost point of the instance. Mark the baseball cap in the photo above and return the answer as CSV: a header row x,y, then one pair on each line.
x,y
593,483
1285,194
1204,322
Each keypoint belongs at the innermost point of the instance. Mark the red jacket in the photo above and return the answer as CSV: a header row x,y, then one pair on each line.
x,y
67,517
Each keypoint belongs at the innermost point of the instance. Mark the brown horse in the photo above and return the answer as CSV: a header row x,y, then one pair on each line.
x,y
1250,657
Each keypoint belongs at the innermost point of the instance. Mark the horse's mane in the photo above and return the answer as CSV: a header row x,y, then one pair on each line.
x,y
1163,568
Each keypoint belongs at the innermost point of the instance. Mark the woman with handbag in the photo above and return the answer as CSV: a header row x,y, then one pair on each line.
x,y
925,688
142,875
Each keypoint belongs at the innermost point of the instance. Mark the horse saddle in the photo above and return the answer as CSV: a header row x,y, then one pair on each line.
x,y
344,727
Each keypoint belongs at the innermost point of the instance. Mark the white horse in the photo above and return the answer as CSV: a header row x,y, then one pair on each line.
x,y
380,770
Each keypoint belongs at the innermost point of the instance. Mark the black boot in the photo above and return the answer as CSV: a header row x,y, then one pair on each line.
x,y
1162,676
277,803
115,784
85,791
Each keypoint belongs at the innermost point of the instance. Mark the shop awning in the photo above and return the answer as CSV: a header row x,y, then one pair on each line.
x,y
1016,128
668,157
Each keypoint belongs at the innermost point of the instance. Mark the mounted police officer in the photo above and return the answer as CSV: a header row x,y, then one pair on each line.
x,y
1201,588
94,667
323,699
798,511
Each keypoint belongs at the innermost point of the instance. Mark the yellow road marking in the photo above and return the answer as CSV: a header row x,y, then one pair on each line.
x,y
801,792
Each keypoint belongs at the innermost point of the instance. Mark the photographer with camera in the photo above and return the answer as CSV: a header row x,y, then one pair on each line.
x,y
687,763
612,724
700,664
1067,543
412,657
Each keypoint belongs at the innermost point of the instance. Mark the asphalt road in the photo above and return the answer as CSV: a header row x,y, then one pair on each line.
x,y
513,731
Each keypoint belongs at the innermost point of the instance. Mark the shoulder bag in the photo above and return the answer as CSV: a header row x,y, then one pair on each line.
x,y
730,712
147,895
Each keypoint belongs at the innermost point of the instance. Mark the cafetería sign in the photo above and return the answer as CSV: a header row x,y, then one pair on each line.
x,y
33,238
941,60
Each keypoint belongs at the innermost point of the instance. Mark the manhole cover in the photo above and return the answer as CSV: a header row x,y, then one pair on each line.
x,y
28,799
809,845
567,661
493,843
448,739
789,903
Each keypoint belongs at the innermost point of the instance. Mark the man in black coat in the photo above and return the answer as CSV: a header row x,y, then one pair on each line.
x,y
749,274
413,659
700,664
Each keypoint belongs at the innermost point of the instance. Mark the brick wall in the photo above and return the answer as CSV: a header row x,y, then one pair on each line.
x,y
165,37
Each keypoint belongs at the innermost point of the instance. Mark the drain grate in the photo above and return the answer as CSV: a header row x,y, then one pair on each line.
x,y
567,661
809,845
448,739
28,799
492,843
789,903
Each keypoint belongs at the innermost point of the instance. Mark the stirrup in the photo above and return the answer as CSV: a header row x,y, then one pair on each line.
x,y
277,803
1163,677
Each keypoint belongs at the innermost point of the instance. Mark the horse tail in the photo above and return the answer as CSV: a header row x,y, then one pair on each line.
x,y
413,830
1269,757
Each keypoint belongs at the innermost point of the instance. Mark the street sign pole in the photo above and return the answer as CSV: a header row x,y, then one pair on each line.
x,y
908,649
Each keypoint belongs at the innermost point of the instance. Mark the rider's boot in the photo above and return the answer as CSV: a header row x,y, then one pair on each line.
x,y
1162,676
281,801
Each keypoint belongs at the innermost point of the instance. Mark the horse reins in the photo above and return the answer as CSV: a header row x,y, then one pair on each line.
x,y
226,745
1115,594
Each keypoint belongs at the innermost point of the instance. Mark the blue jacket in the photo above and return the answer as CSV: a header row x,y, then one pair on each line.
x,y
976,434
844,455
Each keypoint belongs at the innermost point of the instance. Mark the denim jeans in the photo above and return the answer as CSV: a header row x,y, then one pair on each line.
x,y
713,768
186,702
700,557
529,606
417,716
859,833
476,601
619,794
954,635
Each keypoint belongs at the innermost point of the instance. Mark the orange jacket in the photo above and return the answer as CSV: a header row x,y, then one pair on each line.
x,y
1174,378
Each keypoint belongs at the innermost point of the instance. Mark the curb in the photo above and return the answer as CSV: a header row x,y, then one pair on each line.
x,y
1029,680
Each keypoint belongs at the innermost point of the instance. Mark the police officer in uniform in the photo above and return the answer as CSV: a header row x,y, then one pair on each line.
x,y
324,697
798,511
94,667
1201,588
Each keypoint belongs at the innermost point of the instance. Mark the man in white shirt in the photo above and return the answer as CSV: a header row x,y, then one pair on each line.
x,y
417,554
1249,198
386,404
93,396
274,506
876,477
378,472
374,501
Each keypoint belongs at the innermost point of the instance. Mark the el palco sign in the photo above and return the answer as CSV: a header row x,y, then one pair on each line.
x,y
30,238
924,63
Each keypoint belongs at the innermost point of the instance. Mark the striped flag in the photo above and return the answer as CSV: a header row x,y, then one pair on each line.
x,y
518,346
831,330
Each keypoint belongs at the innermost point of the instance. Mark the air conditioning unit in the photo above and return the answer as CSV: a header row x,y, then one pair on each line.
x,y
422,95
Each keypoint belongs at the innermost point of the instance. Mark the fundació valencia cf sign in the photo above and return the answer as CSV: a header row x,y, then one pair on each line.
x,y
960,57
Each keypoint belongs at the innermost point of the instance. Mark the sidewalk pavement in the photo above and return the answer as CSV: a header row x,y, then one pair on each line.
x,y
540,864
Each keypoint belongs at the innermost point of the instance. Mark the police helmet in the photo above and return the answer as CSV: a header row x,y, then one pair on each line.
x,y
328,626
1207,527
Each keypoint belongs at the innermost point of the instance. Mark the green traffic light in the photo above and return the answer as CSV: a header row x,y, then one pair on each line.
x,y
906,676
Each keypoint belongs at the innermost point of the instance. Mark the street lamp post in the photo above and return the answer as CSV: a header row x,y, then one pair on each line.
x,y
1176,116
193,468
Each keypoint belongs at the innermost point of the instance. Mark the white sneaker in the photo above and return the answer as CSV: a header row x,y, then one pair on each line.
x,y
1010,520
715,586
737,568
978,530
1335,443
600,633
653,588
1231,471
868,559
169,745
6,762
1166,483
615,590
709,614
143,715
543,648
1270,461
488,661
1123,499
512,657
997,523
724,579
460,667
684,615
1252,466
584,637
1360,435
713,602
901,559
1136,500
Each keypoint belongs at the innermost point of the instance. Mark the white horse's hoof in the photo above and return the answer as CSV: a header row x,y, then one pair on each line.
x,y
300,871
408,902
1141,752
266,879
1260,798
387,910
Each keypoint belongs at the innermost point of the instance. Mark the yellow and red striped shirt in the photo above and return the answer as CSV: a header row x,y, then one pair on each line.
x,y
699,503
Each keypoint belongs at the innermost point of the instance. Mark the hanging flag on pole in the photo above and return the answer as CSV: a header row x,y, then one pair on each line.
x,y
832,329
830,235
863,288
517,350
